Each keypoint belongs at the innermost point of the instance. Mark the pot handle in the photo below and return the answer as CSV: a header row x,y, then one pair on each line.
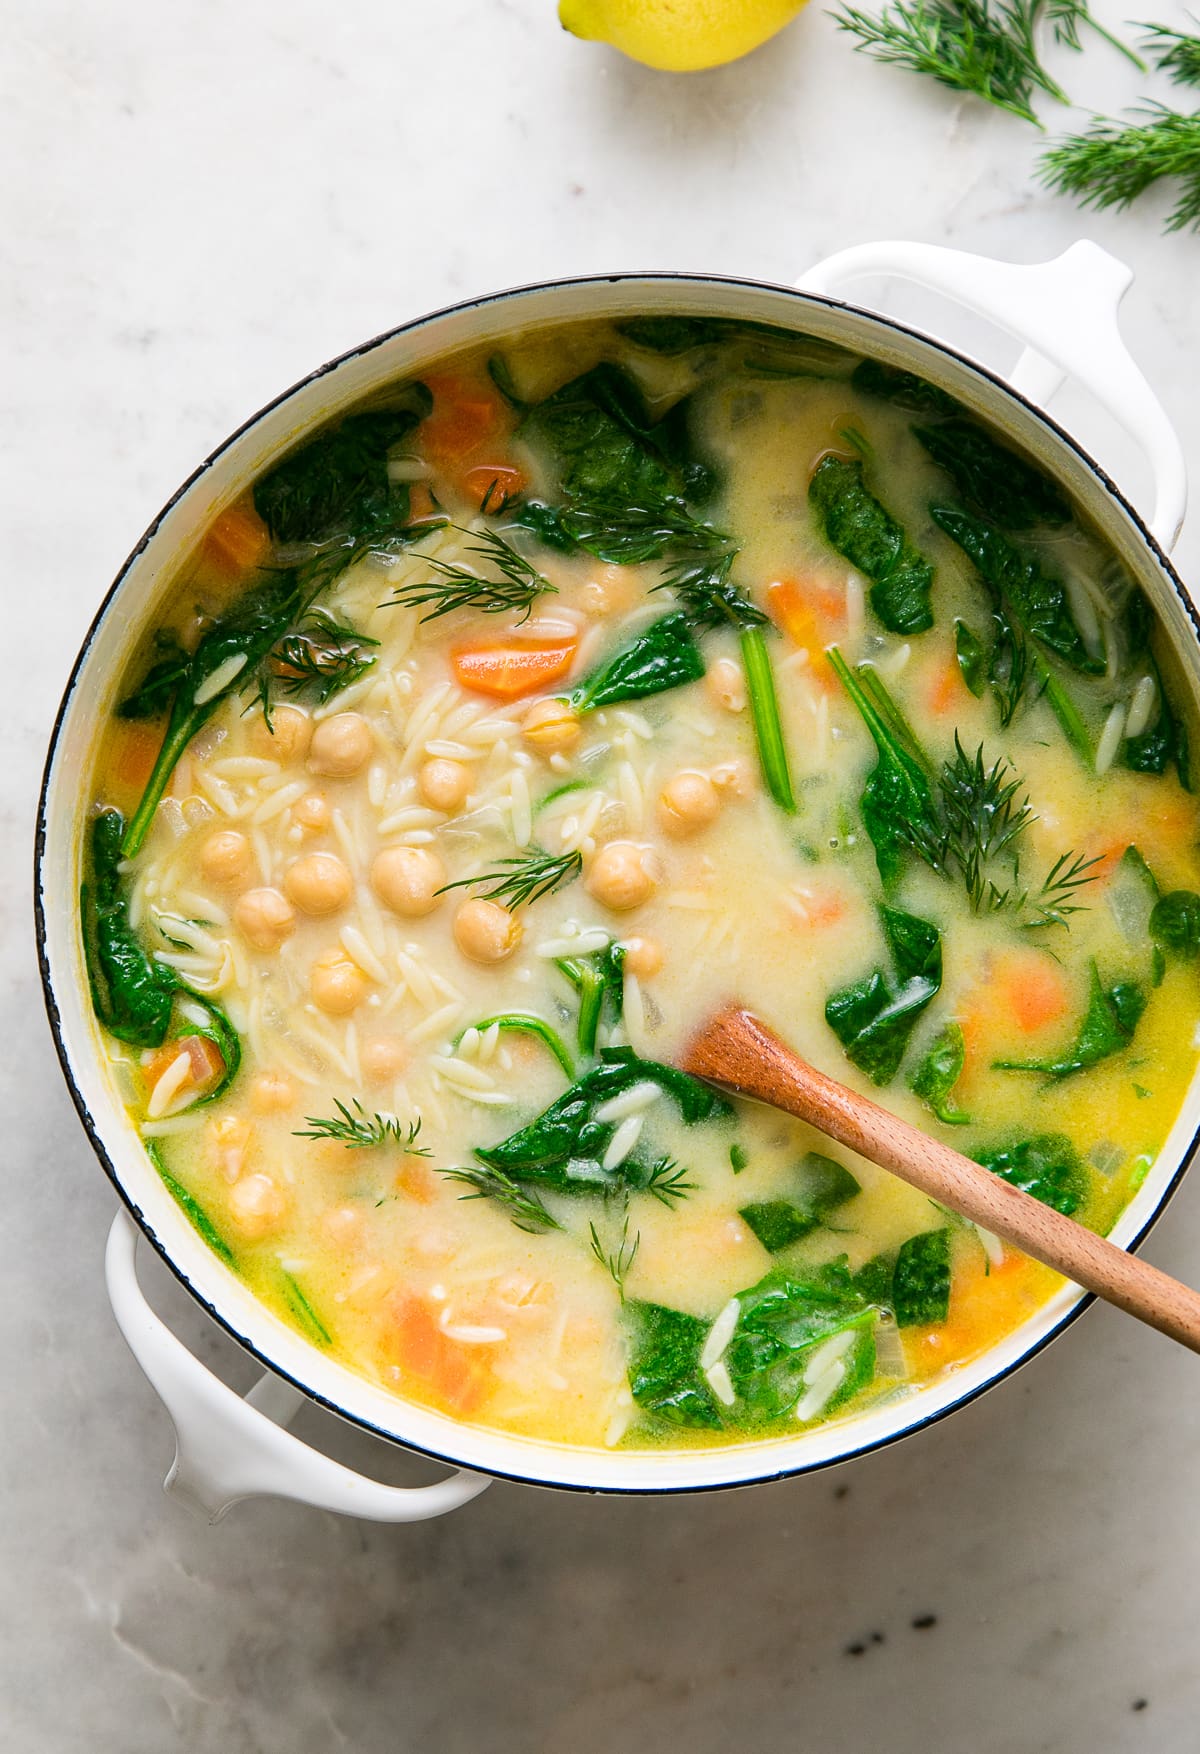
x,y
1065,313
228,1448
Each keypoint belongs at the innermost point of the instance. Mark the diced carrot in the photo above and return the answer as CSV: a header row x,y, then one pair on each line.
x,y
1033,989
986,1302
451,1375
421,503
507,671
1108,857
206,1064
813,910
418,1181
812,614
488,485
135,748
468,413
238,540
946,689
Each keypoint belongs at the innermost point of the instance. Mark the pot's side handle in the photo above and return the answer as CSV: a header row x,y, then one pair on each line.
x,y
1065,312
228,1448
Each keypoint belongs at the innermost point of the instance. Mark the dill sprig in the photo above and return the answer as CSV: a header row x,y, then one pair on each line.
x,y
354,1128
320,654
615,529
981,821
708,594
1175,53
986,48
526,1210
1055,900
616,1263
667,1181
513,584
1116,161
525,878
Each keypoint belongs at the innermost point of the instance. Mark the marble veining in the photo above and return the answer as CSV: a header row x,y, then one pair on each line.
x,y
201,202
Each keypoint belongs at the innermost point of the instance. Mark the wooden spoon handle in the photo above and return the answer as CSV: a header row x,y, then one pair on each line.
x,y
739,1052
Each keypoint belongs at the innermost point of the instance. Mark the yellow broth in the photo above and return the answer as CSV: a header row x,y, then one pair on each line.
x,y
259,882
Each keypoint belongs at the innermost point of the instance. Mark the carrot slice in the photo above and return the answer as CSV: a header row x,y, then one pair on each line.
x,y
205,1062
238,541
811,614
135,748
507,671
468,413
488,485
441,1370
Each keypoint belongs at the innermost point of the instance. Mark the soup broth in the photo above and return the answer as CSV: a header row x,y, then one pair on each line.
x,y
521,718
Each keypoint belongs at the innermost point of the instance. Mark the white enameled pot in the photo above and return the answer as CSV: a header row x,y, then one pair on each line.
x,y
1064,315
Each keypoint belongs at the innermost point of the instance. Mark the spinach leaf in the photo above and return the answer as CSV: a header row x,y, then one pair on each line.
x,y
664,656
225,660
196,1014
599,979
865,533
672,334
1107,1028
1046,1166
338,484
873,1281
1025,595
132,995
823,1186
921,1279
1003,487
197,1217
903,389
664,1365
154,693
938,1073
563,1148
897,802
1165,740
972,658
1175,924
781,1322
874,1018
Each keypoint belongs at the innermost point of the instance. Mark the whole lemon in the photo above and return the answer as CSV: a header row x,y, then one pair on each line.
x,y
679,36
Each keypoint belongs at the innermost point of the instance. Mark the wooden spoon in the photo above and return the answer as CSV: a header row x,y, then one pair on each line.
x,y
735,1050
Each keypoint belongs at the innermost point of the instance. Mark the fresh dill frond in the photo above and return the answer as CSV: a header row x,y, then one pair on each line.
x,y
525,878
617,1262
514,583
1116,161
1068,16
526,1210
354,1128
667,1181
1175,53
982,819
982,47
707,593
614,529
1055,901
320,655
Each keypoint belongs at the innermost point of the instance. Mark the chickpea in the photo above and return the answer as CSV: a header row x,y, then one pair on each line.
x,y
337,984
643,957
226,858
486,932
287,737
312,812
384,1057
620,877
319,883
264,918
257,1205
342,1225
727,685
229,1140
340,746
609,592
688,802
444,784
271,1093
407,880
550,726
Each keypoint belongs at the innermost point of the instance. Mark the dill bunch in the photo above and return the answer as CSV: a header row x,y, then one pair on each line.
x,y
1114,162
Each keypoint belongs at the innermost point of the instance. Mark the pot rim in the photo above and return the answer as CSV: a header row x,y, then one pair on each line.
x,y
92,1128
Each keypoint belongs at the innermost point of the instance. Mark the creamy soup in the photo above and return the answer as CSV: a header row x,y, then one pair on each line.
x,y
519,719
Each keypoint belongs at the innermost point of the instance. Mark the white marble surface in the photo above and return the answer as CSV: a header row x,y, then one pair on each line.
x,y
200,201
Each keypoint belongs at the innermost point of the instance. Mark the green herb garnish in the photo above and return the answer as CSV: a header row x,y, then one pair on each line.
x,y
353,1127
524,879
